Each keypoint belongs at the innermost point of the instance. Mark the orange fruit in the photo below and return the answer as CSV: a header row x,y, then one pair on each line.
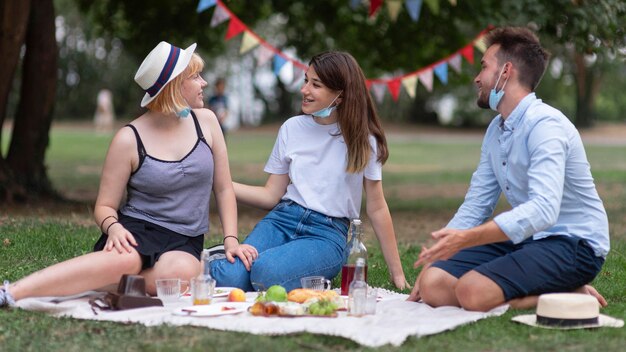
x,y
237,295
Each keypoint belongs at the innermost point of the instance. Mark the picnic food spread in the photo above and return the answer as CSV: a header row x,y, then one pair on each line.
x,y
298,302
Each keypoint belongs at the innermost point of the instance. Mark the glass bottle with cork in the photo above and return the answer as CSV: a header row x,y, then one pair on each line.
x,y
203,285
357,250
357,292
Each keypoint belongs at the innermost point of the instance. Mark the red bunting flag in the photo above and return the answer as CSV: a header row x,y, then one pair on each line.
x,y
394,88
374,6
468,53
234,27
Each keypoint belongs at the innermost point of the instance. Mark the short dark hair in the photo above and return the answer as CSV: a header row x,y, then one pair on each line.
x,y
520,46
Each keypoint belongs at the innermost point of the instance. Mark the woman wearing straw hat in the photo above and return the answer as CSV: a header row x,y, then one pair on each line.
x,y
168,160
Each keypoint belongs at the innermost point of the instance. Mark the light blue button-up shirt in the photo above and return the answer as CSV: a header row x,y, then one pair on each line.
x,y
537,159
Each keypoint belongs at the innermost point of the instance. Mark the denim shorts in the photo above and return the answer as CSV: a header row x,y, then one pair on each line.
x,y
154,240
532,267
293,242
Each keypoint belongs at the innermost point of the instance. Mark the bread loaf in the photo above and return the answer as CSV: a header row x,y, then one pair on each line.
x,y
300,295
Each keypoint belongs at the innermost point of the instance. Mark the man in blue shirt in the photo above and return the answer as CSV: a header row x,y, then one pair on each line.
x,y
555,237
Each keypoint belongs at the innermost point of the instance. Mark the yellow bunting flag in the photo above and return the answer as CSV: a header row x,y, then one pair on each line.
x,y
410,84
480,44
248,42
393,7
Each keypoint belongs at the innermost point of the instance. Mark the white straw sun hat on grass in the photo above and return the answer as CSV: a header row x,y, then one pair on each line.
x,y
162,65
568,311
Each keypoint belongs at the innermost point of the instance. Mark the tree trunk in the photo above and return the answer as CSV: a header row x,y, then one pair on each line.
x,y
587,83
13,23
34,112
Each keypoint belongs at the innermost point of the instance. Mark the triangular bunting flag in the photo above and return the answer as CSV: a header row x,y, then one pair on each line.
x,y
441,71
433,5
455,62
414,7
248,42
298,73
263,55
279,62
374,5
480,44
219,16
354,4
368,84
410,84
205,4
426,78
394,88
378,91
285,73
468,53
393,7
234,27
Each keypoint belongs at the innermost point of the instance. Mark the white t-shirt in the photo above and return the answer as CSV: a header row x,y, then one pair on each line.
x,y
315,157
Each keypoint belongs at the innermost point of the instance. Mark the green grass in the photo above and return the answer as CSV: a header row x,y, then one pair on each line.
x,y
75,157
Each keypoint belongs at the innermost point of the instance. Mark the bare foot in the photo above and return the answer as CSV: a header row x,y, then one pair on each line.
x,y
590,290
527,302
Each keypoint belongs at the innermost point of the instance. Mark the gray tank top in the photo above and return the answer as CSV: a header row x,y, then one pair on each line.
x,y
173,194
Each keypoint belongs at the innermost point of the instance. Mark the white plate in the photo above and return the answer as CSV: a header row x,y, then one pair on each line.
x,y
222,291
211,310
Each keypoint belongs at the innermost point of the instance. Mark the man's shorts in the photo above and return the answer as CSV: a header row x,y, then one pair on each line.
x,y
154,240
532,267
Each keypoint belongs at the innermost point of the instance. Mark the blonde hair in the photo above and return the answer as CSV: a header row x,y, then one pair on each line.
x,y
170,99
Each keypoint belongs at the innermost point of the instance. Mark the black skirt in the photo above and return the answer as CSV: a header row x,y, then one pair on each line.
x,y
154,240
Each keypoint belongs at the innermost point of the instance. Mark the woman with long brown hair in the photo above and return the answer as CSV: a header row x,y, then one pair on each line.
x,y
322,161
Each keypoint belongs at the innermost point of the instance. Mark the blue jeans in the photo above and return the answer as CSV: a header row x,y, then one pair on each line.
x,y
293,242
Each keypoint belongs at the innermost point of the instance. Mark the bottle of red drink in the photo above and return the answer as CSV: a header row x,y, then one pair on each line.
x,y
357,250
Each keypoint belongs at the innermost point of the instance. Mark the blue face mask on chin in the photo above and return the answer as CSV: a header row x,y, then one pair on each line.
x,y
325,112
495,96
183,113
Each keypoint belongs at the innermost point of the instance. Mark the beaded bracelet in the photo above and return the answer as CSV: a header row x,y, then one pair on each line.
x,y
108,227
105,219
235,237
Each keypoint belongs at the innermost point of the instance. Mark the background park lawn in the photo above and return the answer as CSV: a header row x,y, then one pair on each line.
x,y
425,180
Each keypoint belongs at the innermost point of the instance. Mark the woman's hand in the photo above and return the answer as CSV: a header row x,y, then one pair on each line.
x,y
400,282
245,252
120,239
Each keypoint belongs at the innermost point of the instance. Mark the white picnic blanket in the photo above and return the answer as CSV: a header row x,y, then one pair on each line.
x,y
394,321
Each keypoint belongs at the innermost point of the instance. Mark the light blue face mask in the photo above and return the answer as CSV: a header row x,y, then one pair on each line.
x,y
183,113
325,112
494,96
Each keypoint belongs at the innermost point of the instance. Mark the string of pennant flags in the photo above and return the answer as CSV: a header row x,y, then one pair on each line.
x,y
413,7
264,52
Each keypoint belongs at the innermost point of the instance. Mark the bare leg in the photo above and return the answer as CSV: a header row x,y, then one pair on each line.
x,y
477,292
437,288
174,264
86,272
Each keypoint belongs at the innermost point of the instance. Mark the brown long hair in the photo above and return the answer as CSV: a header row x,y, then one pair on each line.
x,y
357,116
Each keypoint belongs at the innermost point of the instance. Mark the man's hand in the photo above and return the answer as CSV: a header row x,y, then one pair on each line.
x,y
449,242
415,295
